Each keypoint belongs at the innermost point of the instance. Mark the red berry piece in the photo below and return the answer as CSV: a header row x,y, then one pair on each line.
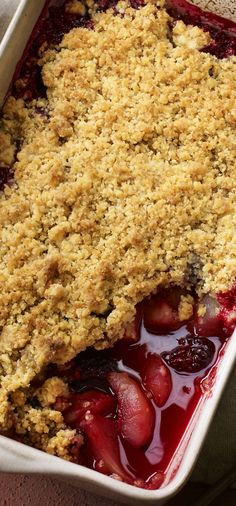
x,y
103,441
161,312
6,175
94,401
157,379
227,301
136,417
95,364
155,481
192,354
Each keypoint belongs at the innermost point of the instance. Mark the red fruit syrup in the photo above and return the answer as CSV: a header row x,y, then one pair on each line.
x,y
133,403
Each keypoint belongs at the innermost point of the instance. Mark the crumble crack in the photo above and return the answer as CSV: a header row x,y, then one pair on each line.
x,y
124,175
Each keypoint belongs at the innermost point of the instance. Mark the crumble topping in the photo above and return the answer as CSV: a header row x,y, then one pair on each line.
x,y
122,185
75,7
185,309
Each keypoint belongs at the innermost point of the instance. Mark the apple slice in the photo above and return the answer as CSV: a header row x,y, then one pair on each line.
x,y
157,378
136,416
161,311
102,436
93,400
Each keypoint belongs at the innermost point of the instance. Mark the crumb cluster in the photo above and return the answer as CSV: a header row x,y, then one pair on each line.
x,y
123,182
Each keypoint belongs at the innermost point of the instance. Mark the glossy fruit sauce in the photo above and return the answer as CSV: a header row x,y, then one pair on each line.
x,y
133,403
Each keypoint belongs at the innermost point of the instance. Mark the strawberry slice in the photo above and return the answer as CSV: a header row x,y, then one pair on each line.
x,y
103,440
93,400
136,417
157,378
161,312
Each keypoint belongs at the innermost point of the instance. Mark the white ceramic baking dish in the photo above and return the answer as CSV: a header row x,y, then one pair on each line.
x,y
18,458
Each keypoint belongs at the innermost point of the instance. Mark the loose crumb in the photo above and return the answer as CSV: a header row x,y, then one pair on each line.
x,y
185,309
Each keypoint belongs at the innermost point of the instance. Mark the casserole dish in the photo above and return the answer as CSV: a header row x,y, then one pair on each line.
x,y
19,458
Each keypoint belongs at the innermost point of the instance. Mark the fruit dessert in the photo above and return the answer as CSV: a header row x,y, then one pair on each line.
x,y
117,220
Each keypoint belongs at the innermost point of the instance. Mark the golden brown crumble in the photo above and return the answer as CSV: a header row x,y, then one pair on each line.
x,y
185,309
127,185
75,7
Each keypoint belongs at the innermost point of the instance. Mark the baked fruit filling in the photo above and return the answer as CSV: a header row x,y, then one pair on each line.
x,y
117,231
